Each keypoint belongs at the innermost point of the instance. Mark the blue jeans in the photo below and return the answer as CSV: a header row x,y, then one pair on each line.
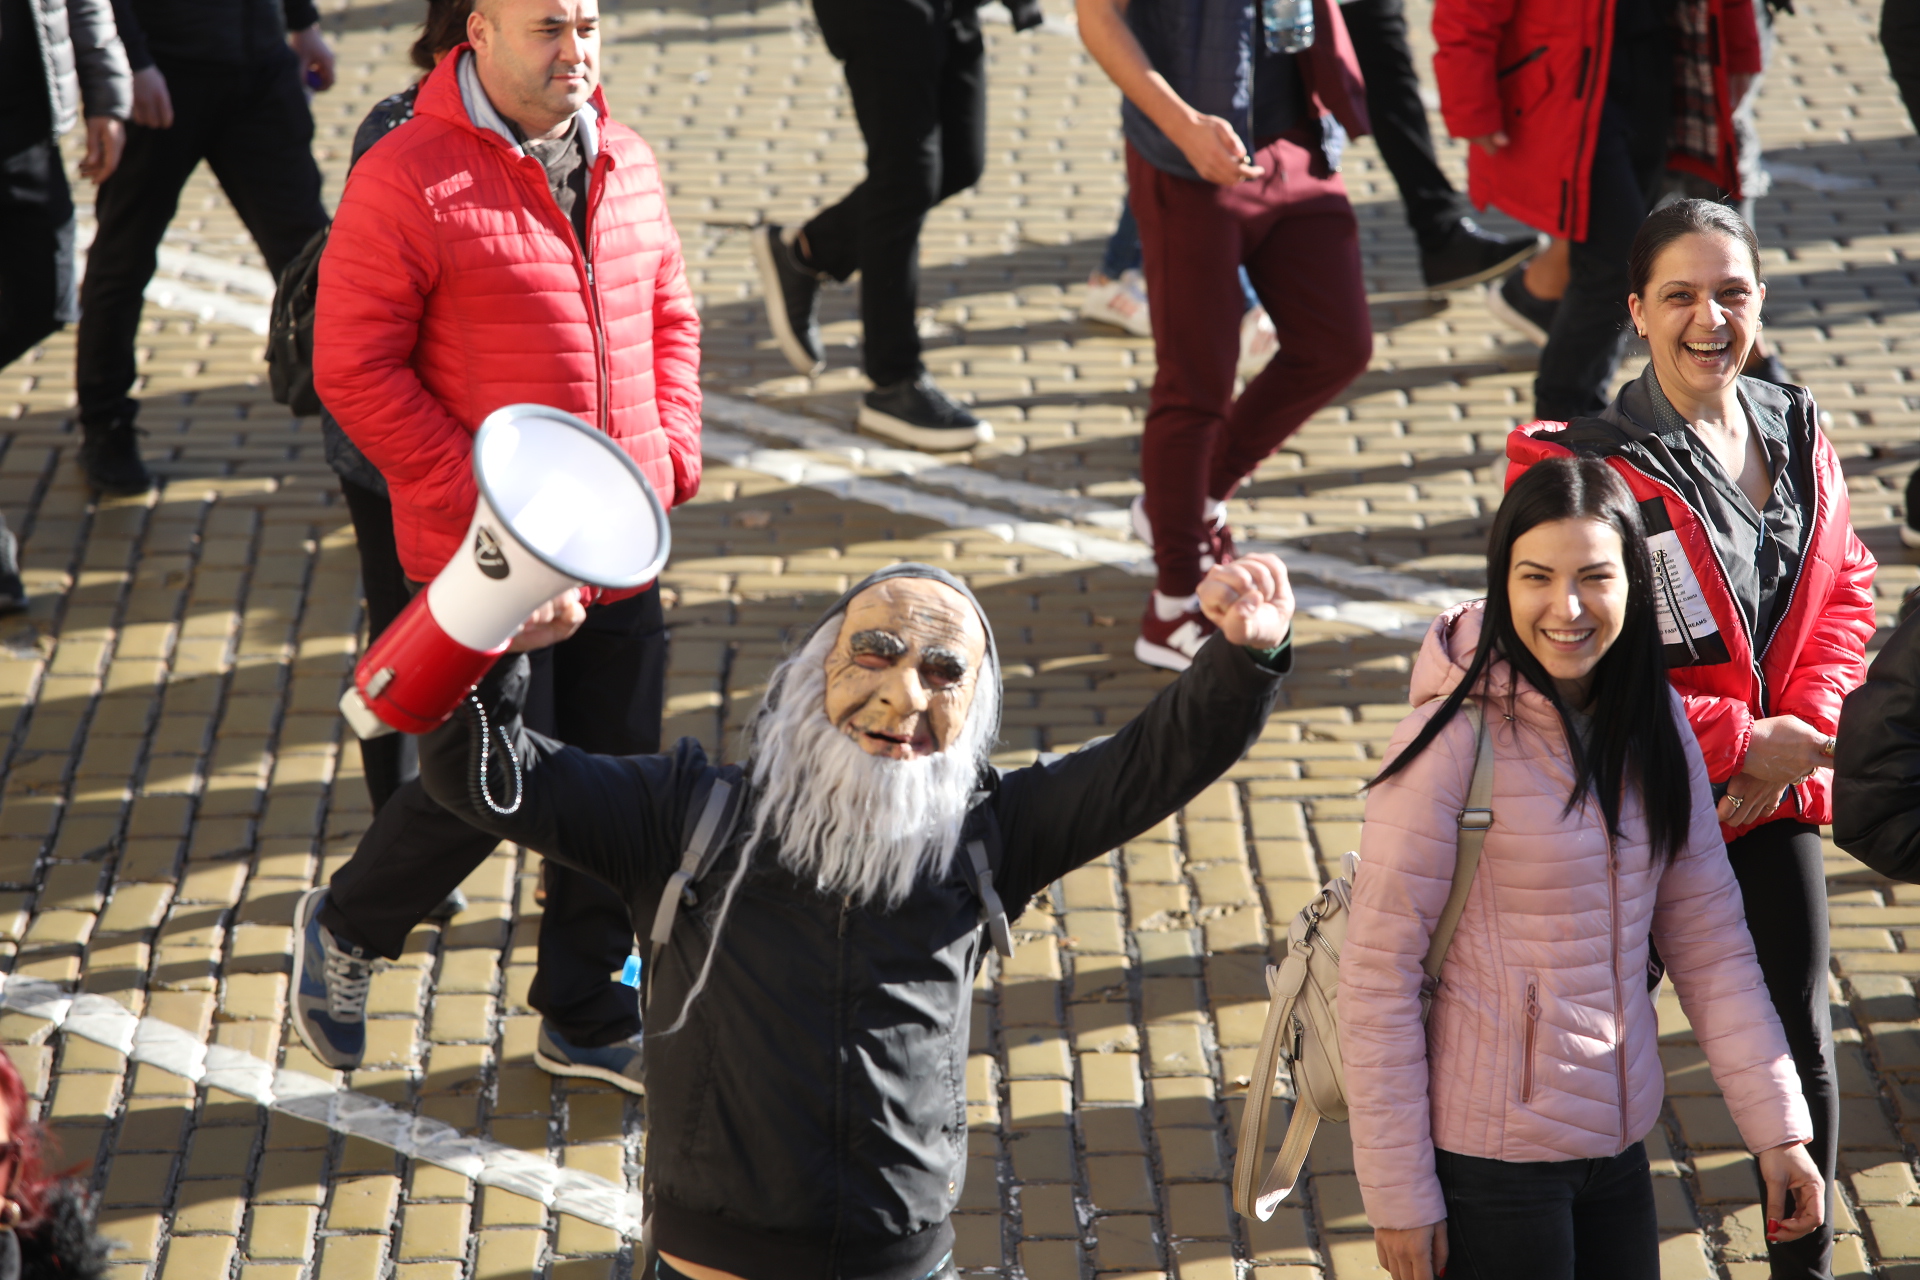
x,y
1123,254
1551,1219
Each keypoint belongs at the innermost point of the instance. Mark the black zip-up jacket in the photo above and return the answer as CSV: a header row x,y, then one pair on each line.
x,y
228,32
1876,761
809,1121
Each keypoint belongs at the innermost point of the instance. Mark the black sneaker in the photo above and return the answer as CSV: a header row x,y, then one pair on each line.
x,y
1470,255
792,292
13,592
915,412
1514,307
110,456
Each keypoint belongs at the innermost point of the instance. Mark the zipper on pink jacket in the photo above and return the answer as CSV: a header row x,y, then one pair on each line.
x,y
1533,1023
1613,967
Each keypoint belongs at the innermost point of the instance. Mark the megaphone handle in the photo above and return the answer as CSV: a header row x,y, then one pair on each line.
x,y
506,744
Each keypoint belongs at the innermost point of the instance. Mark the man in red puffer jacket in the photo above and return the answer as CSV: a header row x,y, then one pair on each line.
x,y
510,243
1570,107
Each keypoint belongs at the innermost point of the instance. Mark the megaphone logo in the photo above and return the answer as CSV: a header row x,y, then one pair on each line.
x,y
488,555
560,505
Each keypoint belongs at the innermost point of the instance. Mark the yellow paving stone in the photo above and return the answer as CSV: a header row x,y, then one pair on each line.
x,y
433,1231
282,1231
196,1257
215,1206
351,1257
363,1204
508,1253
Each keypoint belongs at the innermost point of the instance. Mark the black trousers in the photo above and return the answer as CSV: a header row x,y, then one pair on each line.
x,y
1379,31
252,125
390,761
1900,37
1550,1219
1591,325
604,689
1784,886
36,249
917,72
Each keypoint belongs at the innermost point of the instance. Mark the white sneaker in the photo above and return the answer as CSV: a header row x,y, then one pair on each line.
x,y
1259,342
1121,303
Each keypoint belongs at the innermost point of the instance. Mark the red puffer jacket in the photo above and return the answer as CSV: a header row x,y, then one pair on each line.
x,y
1537,71
1817,654
452,285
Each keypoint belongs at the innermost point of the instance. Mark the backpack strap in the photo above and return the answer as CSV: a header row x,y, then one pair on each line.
x,y
704,842
981,860
992,914
1474,820
1284,983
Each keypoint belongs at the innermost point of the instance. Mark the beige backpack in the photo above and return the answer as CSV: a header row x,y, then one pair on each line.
x,y
1303,1015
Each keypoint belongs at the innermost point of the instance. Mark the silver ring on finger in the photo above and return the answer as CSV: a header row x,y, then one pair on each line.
x,y
1737,800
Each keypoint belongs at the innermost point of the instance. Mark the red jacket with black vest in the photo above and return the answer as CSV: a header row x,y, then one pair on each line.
x,y
1536,70
1816,655
453,285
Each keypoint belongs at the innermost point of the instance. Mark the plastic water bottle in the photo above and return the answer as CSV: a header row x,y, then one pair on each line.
x,y
1287,24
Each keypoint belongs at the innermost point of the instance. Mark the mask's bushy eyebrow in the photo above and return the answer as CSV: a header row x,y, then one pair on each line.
x,y
883,643
944,662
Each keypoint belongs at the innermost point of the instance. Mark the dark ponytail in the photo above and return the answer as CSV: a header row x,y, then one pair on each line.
x,y
1634,736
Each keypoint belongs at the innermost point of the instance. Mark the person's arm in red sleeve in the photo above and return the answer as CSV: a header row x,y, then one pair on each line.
x,y
676,369
380,265
1832,662
1724,728
1741,37
1467,33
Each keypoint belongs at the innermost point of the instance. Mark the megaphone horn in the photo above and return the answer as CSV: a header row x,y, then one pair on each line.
x,y
560,505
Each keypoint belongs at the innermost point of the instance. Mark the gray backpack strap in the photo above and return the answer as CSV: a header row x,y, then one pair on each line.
x,y
1474,820
991,912
709,834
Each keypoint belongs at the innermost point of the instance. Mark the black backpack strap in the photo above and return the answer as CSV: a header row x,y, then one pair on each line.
x,y
703,844
980,858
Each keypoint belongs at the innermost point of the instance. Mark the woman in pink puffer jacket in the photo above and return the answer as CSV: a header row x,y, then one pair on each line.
x,y
1503,1137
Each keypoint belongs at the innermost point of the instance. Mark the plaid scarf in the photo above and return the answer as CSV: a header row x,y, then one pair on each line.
x,y
1695,129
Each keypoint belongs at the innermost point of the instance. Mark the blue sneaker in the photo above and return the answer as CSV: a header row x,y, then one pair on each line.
x,y
330,984
619,1064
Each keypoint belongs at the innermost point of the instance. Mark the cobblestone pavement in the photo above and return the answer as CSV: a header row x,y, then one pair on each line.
x,y
175,773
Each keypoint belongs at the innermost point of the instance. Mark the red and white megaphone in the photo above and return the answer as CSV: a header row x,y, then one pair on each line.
x,y
560,505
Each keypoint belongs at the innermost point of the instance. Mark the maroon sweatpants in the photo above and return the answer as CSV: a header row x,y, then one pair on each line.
x,y
1297,237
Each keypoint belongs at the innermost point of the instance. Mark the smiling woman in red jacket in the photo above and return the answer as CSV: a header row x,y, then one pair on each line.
x,y
1765,598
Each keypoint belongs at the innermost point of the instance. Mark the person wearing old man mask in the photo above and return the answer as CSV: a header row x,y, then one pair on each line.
x,y
806,1033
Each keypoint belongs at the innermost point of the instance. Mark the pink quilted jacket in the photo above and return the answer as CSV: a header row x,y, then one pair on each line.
x,y
1542,1044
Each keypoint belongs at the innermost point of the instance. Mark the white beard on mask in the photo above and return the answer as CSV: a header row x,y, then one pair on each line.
x,y
863,826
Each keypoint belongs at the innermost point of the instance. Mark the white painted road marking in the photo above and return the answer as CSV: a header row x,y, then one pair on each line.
x,y
103,1021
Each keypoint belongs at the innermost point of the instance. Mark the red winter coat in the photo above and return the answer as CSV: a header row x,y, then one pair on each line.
x,y
1818,652
452,285
1537,70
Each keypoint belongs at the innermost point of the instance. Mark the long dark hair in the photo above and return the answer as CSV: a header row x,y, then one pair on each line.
x,y
1634,734
444,29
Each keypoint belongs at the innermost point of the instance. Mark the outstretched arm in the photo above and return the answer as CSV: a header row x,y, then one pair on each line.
x,y
1060,814
617,818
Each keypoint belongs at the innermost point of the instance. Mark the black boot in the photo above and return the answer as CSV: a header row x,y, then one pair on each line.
x,y
110,455
1469,255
